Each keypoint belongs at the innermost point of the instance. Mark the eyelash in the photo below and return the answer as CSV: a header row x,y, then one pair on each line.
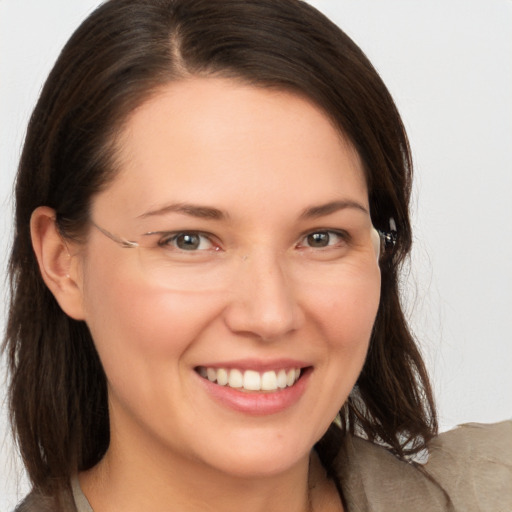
x,y
169,239
342,236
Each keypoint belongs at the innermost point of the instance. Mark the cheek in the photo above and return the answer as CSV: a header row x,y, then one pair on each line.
x,y
347,310
139,329
344,317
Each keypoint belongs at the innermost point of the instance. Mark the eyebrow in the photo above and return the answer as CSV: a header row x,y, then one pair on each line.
x,y
202,212
331,207
207,212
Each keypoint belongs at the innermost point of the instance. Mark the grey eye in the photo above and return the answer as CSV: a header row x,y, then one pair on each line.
x,y
188,241
320,239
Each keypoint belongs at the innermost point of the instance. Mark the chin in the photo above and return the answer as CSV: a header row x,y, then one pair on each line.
x,y
260,457
261,465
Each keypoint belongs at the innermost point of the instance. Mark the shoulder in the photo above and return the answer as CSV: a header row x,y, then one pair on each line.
x,y
474,463
38,502
468,469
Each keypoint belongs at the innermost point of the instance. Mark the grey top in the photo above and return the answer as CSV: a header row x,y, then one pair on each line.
x,y
81,503
469,469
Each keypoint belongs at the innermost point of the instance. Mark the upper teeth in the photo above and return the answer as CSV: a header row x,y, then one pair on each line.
x,y
251,380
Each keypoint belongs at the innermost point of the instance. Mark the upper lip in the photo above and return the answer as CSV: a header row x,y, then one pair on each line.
x,y
258,364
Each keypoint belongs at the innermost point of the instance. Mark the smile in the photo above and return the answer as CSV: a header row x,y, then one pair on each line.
x,y
251,380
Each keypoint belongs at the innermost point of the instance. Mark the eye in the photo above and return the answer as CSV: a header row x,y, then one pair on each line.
x,y
188,241
322,239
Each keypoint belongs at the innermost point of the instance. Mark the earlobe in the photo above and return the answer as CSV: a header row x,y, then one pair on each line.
x,y
59,269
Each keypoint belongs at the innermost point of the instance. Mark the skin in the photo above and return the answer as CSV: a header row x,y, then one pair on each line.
x,y
258,291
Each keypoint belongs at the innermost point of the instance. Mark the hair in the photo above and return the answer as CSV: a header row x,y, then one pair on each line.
x,y
124,53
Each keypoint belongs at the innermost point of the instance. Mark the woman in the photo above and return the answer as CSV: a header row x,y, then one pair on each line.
x,y
211,212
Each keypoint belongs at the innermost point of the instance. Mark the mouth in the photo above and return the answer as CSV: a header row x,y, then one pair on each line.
x,y
269,381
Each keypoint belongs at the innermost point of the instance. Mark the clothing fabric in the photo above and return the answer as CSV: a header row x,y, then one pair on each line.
x,y
469,469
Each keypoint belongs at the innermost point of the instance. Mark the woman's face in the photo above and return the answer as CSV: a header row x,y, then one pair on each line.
x,y
255,264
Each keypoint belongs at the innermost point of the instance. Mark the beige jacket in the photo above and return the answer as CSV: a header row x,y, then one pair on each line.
x,y
469,469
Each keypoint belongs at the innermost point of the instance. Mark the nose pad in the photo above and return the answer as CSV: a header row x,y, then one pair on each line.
x,y
262,301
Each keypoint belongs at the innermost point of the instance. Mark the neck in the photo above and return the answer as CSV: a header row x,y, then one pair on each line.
x,y
136,481
139,472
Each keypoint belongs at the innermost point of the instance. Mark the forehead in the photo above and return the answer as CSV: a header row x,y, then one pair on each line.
x,y
217,140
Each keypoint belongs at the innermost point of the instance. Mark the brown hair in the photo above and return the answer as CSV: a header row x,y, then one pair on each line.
x,y
124,52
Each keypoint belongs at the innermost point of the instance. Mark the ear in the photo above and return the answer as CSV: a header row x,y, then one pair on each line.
x,y
61,271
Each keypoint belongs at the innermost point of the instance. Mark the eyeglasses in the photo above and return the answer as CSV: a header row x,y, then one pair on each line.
x,y
123,242
388,238
196,260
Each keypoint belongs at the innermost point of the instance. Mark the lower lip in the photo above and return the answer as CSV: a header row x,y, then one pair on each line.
x,y
254,403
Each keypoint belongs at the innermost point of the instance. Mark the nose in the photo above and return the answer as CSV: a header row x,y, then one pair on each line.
x,y
262,299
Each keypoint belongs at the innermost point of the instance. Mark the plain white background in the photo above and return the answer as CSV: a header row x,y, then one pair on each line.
x,y
448,64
